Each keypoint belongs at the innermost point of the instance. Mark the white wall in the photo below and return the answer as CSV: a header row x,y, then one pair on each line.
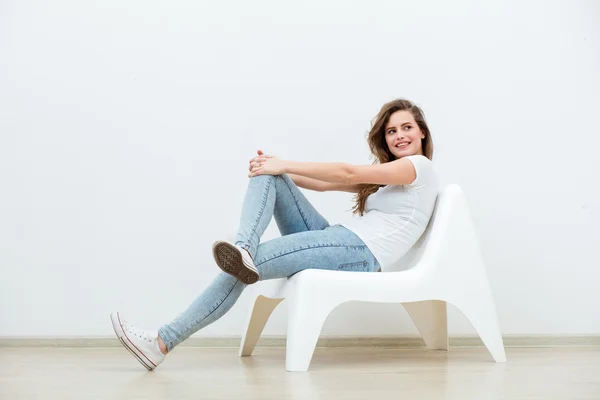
x,y
126,126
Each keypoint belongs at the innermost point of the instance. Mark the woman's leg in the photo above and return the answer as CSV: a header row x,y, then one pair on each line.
x,y
275,195
308,242
266,196
293,212
334,248
209,306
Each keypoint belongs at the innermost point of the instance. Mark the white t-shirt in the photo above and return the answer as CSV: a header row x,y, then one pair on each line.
x,y
397,215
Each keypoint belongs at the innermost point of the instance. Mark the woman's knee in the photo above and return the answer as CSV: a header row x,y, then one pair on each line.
x,y
286,179
258,178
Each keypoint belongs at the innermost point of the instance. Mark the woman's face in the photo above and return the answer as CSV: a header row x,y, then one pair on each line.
x,y
402,135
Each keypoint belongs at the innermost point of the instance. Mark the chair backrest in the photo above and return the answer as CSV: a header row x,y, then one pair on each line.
x,y
432,238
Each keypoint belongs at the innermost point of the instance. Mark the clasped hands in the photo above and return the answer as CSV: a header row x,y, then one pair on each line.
x,y
264,164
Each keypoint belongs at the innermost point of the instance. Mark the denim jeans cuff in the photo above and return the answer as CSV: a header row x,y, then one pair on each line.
x,y
165,338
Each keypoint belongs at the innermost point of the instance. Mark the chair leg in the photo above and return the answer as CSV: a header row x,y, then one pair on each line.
x,y
481,313
430,319
306,319
259,315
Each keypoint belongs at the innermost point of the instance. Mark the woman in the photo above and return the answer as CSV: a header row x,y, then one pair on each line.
x,y
394,202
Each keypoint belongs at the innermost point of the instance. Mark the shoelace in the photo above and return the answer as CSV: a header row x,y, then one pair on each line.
x,y
142,334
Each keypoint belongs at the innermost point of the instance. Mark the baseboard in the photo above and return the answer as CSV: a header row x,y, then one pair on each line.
x,y
404,341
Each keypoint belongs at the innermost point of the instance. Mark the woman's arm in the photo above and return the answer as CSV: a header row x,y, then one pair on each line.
x,y
321,186
308,183
341,187
327,172
397,172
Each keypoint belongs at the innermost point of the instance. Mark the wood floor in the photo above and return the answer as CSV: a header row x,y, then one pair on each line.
x,y
335,373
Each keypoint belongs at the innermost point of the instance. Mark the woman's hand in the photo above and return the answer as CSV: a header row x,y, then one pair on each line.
x,y
255,161
266,165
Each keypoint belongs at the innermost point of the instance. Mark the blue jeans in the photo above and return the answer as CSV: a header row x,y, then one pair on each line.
x,y
307,241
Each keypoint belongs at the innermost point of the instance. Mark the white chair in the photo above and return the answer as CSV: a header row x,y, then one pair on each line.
x,y
444,266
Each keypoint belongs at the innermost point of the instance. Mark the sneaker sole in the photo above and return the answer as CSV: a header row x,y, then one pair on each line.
x,y
230,260
122,336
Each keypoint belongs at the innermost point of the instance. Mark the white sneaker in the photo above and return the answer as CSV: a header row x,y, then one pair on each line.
x,y
235,261
142,343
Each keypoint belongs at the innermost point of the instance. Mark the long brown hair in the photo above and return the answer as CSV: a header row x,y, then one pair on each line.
x,y
379,147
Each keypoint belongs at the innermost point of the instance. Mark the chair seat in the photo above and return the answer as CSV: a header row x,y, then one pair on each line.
x,y
361,286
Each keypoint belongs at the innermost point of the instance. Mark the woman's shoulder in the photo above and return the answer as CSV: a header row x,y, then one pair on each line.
x,y
418,158
424,170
